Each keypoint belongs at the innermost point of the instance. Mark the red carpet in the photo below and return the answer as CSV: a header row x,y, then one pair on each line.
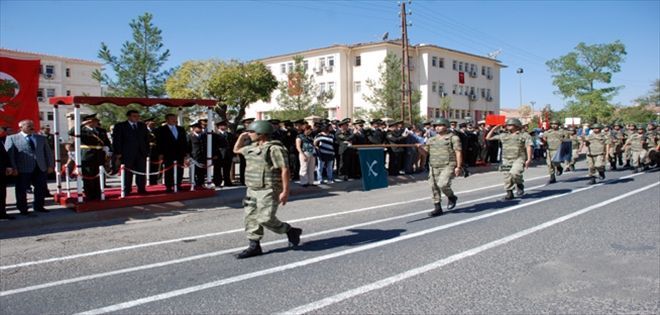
x,y
155,194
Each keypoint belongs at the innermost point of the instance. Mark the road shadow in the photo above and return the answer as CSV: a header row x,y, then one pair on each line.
x,y
617,181
359,237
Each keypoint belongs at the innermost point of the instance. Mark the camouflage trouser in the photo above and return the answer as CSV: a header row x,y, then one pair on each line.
x,y
638,158
440,181
615,152
513,172
627,154
552,167
260,208
595,163
574,157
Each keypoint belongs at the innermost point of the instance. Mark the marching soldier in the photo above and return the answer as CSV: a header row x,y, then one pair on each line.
x,y
92,155
575,142
516,155
445,162
631,129
267,181
598,145
653,138
616,150
637,144
553,138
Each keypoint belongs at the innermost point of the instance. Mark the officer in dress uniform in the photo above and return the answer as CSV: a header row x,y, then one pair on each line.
x,y
92,156
598,145
516,155
552,138
267,181
359,138
445,162
153,151
344,139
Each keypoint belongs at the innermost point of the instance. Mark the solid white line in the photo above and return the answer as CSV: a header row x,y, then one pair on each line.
x,y
218,253
443,262
136,246
214,284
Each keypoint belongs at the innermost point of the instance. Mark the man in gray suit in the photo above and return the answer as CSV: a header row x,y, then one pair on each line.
x,y
30,158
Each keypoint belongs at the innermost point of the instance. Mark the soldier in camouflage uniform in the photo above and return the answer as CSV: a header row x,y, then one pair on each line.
x,y
267,180
575,142
516,155
598,145
553,138
445,162
616,150
637,144
653,138
631,129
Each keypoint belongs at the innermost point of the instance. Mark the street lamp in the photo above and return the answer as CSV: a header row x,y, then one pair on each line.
x,y
520,72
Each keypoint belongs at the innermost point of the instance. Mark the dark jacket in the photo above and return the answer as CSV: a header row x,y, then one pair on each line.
x,y
171,148
131,144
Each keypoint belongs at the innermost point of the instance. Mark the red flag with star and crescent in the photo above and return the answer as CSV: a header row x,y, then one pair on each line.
x,y
19,81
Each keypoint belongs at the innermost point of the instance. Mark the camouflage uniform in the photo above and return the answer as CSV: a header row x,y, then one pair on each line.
x,y
616,150
652,138
553,139
575,142
637,144
514,154
264,185
597,148
442,162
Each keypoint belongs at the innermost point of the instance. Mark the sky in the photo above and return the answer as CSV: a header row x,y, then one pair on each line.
x,y
529,33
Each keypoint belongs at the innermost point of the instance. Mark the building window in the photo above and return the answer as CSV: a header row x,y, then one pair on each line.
x,y
441,64
460,91
321,87
283,68
358,61
460,66
68,92
49,116
488,71
40,92
331,61
437,112
434,61
305,64
50,92
68,72
441,89
41,115
483,92
358,86
290,67
472,90
454,67
455,89
331,86
50,69
483,70
488,93
322,62
434,87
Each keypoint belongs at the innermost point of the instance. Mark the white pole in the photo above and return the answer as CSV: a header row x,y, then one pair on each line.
x,y
176,176
102,179
68,183
76,126
209,143
148,170
192,176
122,175
58,162
180,116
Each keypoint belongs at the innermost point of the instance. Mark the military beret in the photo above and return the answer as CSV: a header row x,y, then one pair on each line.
x,y
197,124
360,121
221,122
247,120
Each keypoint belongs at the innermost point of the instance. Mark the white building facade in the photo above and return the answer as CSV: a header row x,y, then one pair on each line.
x,y
471,82
60,76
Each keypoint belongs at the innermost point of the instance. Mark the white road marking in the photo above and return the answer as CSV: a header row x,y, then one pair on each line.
x,y
247,276
221,252
446,261
170,241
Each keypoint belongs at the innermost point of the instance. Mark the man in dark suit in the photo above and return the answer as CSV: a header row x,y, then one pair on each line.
x,y
197,148
31,159
130,140
173,146
224,146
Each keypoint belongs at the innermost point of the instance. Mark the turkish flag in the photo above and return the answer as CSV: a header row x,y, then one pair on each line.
x,y
461,77
19,81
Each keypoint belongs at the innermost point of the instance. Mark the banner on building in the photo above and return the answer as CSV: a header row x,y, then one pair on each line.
x,y
372,165
19,81
295,84
461,77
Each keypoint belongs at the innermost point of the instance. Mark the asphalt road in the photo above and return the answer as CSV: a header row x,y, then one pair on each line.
x,y
562,248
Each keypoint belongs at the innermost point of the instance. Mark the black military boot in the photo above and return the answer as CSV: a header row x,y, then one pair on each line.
x,y
592,180
627,164
620,161
520,190
635,170
451,204
437,211
552,179
613,165
509,195
601,174
254,249
293,234
560,170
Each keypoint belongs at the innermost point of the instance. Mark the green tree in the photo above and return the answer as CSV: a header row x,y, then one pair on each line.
x,y
652,97
386,93
633,114
583,77
234,84
137,70
445,106
299,96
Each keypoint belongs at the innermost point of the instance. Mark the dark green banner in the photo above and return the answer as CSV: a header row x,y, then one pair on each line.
x,y
372,165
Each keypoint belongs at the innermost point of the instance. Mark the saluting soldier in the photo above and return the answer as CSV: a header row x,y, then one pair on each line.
x,y
267,181
553,138
92,156
598,145
445,162
516,155
637,144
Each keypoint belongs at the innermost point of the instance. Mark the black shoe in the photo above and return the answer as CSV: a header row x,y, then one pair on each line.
x,y
601,174
520,190
613,165
452,202
592,180
142,192
509,195
42,210
635,170
572,168
620,162
254,249
627,164
560,170
552,180
293,234
5,216
169,190
437,211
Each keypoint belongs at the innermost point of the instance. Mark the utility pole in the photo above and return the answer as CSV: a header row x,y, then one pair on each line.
x,y
406,88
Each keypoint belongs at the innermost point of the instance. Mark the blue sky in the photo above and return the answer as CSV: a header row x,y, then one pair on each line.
x,y
528,32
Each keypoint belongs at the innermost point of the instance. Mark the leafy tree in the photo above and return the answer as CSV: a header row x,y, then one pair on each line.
x,y
386,93
583,77
653,96
445,106
137,70
299,96
234,84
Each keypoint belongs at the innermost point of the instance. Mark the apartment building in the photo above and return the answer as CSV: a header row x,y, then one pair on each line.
x,y
471,82
60,76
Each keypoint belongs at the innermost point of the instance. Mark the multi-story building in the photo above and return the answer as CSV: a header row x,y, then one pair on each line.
x,y
60,76
471,82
